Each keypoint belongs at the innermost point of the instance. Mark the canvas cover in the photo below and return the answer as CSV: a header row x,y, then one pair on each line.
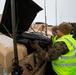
x,y
38,68
7,52
28,38
7,57
26,11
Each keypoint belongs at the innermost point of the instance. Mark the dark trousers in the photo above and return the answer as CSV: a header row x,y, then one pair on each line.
x,y
49,70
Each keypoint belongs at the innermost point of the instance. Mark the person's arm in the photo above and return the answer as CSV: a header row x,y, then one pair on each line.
x,y
54,52
40,51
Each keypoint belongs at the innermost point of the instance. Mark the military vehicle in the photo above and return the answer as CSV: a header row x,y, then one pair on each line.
x,y
16,55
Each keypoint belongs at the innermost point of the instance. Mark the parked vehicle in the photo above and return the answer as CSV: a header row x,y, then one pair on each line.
x,y
16,55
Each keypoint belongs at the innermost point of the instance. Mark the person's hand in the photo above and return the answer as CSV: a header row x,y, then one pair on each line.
x,y
35,45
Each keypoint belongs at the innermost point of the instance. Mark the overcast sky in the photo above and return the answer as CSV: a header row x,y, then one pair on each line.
x,y
57,11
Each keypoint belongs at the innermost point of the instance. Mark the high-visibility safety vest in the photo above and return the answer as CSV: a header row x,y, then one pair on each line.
x,y
66,64
54,38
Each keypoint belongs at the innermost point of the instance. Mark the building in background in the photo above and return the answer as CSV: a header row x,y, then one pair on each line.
x,y
57,11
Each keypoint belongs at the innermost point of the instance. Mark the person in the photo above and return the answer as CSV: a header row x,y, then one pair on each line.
x,y
52,40
54,36
63,51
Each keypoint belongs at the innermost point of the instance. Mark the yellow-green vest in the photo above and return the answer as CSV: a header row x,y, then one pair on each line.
x,y
54,38
66,64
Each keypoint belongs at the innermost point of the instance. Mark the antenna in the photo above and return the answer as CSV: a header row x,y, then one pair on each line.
x,y
45,17
14,29
56,11
17,70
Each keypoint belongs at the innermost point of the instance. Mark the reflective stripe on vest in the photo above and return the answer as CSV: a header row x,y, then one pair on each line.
x,y
68,57
73,64
66,64
70,43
